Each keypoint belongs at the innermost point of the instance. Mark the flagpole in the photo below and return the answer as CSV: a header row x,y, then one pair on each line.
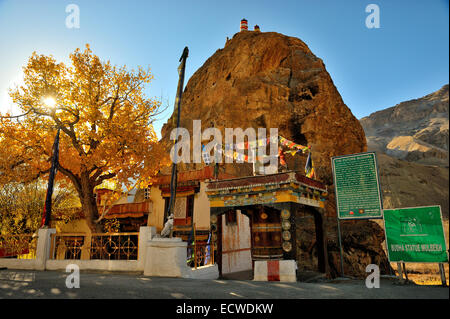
x,y
341,250
173,180
340,246
51,179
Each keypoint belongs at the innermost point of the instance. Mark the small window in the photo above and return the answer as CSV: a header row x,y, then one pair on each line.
x,y
190,206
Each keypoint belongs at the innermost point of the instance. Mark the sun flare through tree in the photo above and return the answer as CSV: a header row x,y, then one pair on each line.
x,y
105,121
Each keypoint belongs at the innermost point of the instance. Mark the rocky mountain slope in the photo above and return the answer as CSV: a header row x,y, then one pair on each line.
x,y
411,140
416,130
407,184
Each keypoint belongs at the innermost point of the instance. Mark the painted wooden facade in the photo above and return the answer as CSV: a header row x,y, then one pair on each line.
x,y
271,203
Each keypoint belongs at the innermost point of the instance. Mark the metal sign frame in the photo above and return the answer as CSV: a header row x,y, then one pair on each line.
x,y
380,199
380,195
419,262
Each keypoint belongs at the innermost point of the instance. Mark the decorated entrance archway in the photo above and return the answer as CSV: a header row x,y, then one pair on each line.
x,y
272,203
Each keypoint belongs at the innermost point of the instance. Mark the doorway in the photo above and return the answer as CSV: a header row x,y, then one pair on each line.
x,y
235,248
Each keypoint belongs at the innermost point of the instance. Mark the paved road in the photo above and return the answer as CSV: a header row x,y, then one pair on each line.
x,y
23,284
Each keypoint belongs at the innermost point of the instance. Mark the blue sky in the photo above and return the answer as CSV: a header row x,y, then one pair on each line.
x,y
406,58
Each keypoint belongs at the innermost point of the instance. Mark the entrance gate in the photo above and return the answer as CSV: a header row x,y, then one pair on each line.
x,y
272,203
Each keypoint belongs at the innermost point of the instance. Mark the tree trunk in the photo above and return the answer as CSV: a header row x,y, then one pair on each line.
x,y
88,204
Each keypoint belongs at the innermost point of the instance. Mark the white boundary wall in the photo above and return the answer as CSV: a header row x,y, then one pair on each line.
x,y
162,257
145,233
42,261
42,253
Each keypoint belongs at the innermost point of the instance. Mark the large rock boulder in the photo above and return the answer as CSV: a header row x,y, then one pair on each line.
x,y
266,79
271,80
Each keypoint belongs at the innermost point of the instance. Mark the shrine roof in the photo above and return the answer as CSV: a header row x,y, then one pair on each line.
x,y
264,180
129,210
205,173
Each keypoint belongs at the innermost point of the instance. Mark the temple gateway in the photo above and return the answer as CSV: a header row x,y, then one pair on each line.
x,y
273,204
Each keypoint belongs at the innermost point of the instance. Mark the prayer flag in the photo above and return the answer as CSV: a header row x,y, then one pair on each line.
x,y
309,169
206,156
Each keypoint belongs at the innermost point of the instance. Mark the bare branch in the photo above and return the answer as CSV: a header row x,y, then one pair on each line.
x,y
103,178
74,178
15,116
116,98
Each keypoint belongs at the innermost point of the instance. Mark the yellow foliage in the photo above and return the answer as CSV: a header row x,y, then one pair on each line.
x,y
104,118
112,225
21,206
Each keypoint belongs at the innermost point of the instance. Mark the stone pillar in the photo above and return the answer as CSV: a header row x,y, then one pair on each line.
x,y
43,247
146,233
86,249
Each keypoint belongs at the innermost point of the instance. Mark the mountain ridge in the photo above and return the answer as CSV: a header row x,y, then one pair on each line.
x,y
416,130
411,141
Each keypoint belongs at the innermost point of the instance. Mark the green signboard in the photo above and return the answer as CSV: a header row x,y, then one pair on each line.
x,y
357,186
415,234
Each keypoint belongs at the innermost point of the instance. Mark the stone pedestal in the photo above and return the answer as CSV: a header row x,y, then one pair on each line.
x,y
146,233
166,257
275,270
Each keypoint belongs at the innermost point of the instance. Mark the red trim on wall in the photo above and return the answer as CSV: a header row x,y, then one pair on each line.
x,y
273,270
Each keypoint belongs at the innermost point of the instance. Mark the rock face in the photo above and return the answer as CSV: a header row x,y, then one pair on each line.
x,y
273,81
269,80
415,130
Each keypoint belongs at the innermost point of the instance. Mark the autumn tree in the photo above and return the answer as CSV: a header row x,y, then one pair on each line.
x,y
105,121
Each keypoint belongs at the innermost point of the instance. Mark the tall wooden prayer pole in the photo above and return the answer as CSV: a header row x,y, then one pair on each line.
x,y
173,180
47,216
